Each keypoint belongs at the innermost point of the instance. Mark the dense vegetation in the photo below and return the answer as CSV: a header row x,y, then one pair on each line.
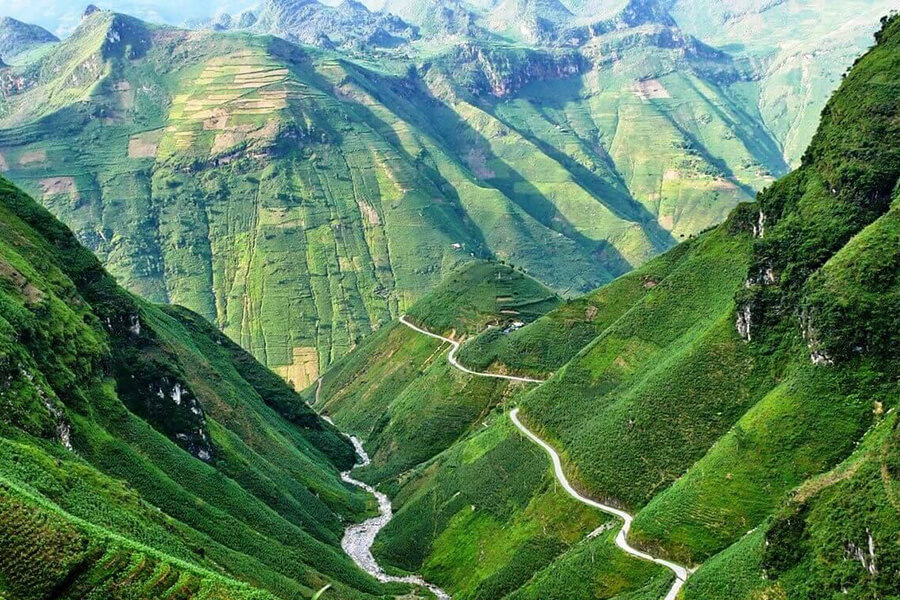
x,y
142,452
301,198
480,295
397,391
557,337
830,245
738,393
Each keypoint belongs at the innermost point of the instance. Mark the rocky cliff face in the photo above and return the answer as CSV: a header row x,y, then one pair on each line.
x,y
485,71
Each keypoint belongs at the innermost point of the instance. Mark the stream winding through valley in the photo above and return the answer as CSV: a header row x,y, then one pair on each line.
x,y
359,538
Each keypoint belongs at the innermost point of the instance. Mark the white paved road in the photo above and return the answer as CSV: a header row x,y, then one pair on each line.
x,y
452,356
681,573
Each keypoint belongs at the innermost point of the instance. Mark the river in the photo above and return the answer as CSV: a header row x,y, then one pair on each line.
x,y
358,538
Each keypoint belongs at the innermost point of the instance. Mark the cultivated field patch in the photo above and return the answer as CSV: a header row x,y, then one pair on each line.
x,y
650,89
53,186
33,157
143,145
304,367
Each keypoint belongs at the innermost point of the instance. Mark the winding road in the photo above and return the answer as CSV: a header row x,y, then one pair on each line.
x,y
681,573
451,358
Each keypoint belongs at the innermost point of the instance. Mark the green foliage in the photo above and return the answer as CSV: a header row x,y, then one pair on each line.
x,y
300,200
483,516
829,242
362,190
596,568
839,536
45,554
557,337
725,400
397,391
179,464
475,296
643,391
741,480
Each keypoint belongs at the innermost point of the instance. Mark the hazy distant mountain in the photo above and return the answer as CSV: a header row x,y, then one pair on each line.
x,y
17,37
348,24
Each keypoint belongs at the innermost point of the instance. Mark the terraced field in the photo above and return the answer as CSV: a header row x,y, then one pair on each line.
x,y
300,200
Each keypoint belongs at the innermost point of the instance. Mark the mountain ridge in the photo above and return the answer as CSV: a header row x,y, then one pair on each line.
x,y
237,153
17,37
754,433
140,435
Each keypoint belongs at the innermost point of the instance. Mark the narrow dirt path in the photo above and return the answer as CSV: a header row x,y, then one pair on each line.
x,y
681,573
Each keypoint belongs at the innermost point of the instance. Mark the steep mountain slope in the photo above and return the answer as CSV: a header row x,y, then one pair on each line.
x,y
227,172
793,51
738,393
796,73
807,350
144,453
397,392
161,192
473,497
447,513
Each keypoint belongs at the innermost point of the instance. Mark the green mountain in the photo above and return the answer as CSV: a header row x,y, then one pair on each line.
x,y
301,198
397,391
738,394
796,74
142,453
17,37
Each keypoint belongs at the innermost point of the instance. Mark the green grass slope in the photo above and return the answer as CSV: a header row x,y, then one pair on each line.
x,y
643,391
300,200
481,295
671,399
555,338
486,520
145,453
397,391
743,404
835,536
